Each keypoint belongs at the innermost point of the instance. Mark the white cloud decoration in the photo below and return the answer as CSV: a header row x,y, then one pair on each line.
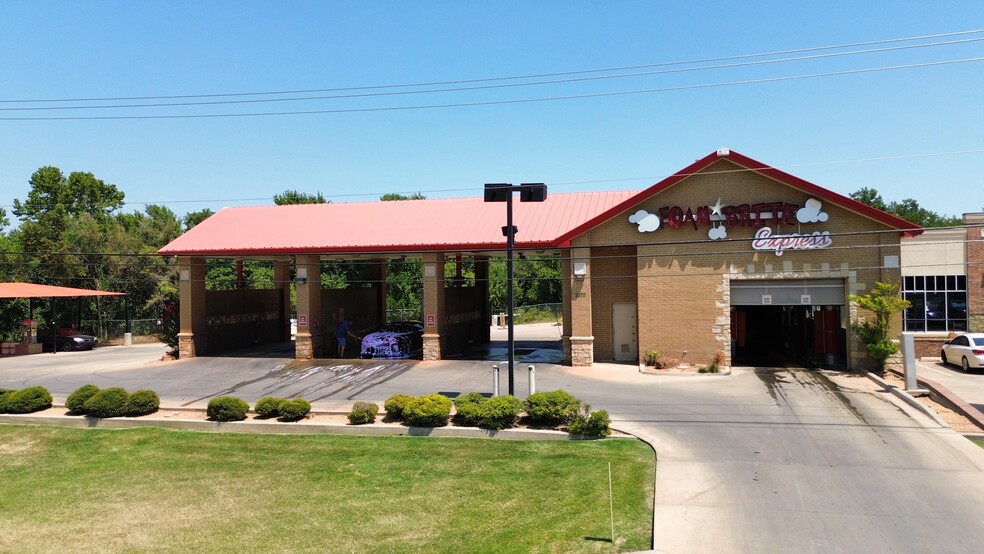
x,y
811,212
647,222
717,233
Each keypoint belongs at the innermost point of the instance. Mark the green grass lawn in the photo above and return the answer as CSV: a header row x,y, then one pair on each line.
x,y
141,490
978,441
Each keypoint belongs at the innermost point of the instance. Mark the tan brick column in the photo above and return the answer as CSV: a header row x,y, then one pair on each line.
x,y
975,272
193,336
433,302
310,328
281,282
578,340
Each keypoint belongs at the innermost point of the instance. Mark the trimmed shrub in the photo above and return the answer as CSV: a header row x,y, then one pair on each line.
x,y
652,356
468,408
499,412
551,408
227,408
28,400
109,402
5,395
590,424
432,410
268,406
395,405
363,412
142,402
76,401
294,409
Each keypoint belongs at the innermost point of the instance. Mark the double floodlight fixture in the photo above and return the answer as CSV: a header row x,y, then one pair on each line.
x,y
503,192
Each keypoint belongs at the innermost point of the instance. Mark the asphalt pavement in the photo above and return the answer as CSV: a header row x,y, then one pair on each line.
x,y
968,386
757,461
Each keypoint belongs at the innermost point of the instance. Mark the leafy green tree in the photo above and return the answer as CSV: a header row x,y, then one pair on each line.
x,y
295,197
908,209
884,302
397,196
194,218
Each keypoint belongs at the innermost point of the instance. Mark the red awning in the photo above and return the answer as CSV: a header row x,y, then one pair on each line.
x,y
31,290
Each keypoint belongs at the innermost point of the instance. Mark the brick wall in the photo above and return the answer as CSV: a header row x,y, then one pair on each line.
x,y
683,278
975,271
613,281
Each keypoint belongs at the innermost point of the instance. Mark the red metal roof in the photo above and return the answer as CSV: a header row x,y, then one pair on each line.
x,y
31,290
395,226
907,228
455,223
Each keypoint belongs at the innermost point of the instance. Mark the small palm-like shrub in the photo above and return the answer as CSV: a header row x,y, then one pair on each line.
x,y
499,412
363,412
227,408
467,408
76,401
109,402
590,424
395,405
25,401
268,406
551,408
432,410
142,402
295,409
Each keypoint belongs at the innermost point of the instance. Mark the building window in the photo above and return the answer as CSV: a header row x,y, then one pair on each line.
x,y
939,303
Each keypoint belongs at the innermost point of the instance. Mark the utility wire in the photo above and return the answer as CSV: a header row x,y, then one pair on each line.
x,y
490,87
503,102
514,77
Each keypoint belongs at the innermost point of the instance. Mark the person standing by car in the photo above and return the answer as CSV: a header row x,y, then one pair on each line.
x,y
342,332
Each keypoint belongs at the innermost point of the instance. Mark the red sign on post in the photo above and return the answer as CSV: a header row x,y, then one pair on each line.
x,y
302,320
431,320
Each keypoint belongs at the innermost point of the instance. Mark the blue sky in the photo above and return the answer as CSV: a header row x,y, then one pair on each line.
x,y
906,126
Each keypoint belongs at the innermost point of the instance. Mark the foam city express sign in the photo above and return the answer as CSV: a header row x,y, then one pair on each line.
x,y
764,215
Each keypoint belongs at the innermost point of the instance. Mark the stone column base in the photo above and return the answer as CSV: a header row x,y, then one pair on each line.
x,y
186,345
578,351
432,347
305,346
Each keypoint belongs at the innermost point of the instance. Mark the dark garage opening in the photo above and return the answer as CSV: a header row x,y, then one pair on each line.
x,y
780,336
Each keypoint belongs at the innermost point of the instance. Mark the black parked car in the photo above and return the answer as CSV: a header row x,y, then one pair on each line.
x,y
65,340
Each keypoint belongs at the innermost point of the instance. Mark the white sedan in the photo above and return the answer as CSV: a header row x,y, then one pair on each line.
x,y
966,349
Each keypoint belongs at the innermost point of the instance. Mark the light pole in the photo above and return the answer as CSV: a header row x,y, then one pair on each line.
x,y
503,192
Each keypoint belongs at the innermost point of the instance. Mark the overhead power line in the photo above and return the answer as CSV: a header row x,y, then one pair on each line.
x,y
677,88
510,78
487,87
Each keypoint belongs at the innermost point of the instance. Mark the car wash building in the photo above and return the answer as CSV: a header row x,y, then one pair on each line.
x,y
728,256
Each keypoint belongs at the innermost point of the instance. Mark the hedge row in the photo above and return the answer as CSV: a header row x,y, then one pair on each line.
x,y
24,401
112,402
230,408
544,409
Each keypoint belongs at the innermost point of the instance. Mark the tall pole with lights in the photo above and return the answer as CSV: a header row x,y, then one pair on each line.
x,y
503,192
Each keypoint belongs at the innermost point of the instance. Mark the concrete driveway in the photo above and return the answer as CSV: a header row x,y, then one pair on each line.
x,y
758,461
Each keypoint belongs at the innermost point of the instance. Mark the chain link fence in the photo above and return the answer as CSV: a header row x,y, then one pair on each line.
x,y
110,329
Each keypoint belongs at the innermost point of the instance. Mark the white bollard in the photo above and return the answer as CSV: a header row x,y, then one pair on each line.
x,y
909,360
127,339
532,371
495,380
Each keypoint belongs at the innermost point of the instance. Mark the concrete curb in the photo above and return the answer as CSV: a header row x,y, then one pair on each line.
x,y
907,398
945,396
